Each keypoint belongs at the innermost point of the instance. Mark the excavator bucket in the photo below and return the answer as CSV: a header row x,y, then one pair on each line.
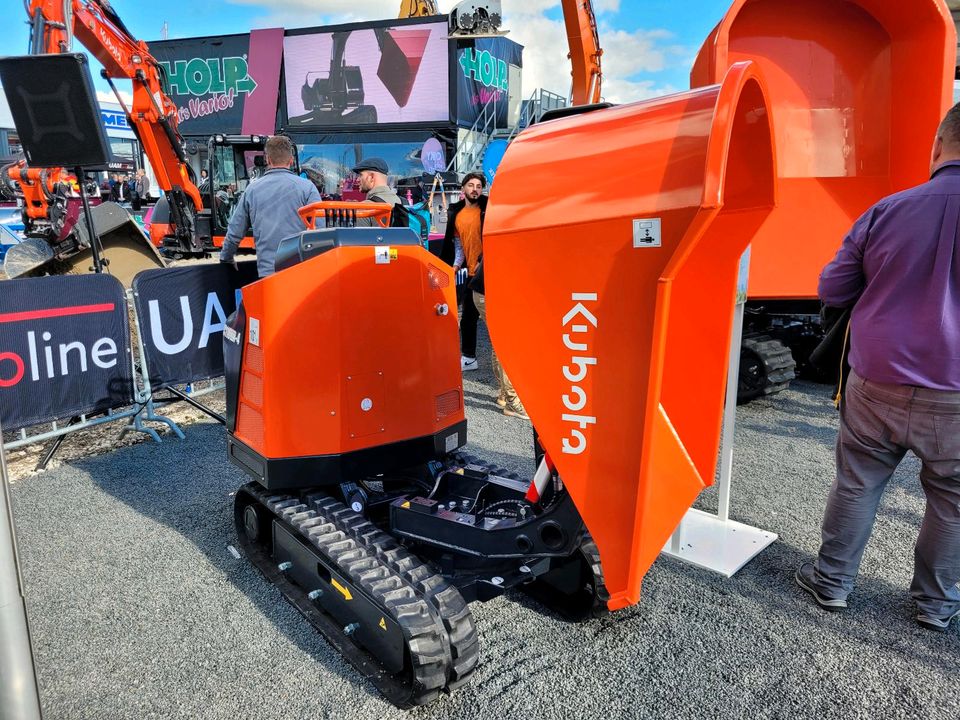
x,y
611,306
125,248
858,88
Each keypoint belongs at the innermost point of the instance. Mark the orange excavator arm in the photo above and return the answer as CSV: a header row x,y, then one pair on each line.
x,y
152,115
585,51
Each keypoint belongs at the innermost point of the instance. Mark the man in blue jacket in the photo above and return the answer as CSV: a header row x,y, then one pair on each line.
x,y
900,265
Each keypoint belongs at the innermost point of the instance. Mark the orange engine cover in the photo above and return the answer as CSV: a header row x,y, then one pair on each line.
x,y
349,351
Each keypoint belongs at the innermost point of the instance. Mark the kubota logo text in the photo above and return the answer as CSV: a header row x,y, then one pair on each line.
x,y
576,372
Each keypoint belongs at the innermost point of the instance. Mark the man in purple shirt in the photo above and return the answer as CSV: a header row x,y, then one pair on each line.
x,y
900,264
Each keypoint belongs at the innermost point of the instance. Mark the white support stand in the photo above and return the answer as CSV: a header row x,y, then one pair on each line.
x,y
715,542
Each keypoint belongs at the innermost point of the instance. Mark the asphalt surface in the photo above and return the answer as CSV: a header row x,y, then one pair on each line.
x,y
139,610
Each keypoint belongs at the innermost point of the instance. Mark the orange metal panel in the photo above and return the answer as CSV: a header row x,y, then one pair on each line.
x,y
368,372
857,88
618,347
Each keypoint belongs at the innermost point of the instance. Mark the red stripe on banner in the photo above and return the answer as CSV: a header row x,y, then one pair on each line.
x,y
56,312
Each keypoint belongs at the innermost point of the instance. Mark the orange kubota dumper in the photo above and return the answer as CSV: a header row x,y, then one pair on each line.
x,y
345,398
858,88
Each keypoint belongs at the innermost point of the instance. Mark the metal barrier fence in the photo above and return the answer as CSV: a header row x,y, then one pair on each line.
x,y
182,376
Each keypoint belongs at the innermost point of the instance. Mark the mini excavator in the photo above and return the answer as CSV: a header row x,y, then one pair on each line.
x,y
345,400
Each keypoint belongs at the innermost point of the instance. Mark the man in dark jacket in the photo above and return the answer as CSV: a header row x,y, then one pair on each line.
x,y
464,236
899,268
462,245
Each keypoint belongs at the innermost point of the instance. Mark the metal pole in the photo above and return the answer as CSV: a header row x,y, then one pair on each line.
x,y
19,697
91,230
730,417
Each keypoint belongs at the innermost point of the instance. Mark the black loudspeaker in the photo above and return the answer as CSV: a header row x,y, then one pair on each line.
x,y
55,110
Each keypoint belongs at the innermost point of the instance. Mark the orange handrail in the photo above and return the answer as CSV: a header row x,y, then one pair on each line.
x,y
378,211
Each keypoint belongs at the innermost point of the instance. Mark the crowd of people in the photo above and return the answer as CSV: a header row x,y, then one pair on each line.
x,y
127,188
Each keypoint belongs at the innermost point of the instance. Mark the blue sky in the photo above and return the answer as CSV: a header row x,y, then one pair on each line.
x,y
649,44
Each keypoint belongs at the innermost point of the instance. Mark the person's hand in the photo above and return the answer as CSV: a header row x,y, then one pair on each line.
x,y
232,263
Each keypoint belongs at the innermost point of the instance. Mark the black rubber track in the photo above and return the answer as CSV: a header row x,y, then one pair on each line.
x,y
766,368
440,635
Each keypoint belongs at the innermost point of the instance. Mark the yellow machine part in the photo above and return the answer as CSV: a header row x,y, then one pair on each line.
x,y
418,8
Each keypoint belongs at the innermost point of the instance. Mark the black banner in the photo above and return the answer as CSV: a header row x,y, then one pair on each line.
x,y
64,348
482,70
182,312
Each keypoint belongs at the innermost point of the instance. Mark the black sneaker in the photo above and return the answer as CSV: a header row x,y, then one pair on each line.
x,y
930,622
804,578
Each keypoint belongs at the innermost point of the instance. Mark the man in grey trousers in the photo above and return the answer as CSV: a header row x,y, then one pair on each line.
x,y
900,264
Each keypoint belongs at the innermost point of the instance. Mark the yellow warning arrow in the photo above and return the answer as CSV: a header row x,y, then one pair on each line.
x,y
343,591
383,623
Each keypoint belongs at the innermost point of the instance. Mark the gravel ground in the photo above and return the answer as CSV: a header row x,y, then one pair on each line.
x,y
139,610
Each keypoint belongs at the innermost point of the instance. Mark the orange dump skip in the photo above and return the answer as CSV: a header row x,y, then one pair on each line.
x,y
857,89
618,340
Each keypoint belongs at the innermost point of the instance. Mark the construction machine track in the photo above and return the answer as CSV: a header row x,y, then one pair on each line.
x,y
766,367
342,573
574,588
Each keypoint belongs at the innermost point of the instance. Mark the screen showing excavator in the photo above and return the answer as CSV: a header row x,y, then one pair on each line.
x,y
367,76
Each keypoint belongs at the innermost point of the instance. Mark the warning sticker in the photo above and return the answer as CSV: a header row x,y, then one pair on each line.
x,y
382,255
646,232
254,332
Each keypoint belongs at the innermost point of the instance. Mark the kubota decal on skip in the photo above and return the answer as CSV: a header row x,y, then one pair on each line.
x,y
576,338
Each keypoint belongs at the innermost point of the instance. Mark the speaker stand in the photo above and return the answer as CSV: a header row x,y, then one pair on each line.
x,y
98,262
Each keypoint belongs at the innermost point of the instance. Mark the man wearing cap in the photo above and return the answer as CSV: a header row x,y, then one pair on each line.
x,y
373,181
269,206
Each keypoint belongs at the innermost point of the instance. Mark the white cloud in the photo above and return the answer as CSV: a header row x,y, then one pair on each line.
x,y
625,54
108,97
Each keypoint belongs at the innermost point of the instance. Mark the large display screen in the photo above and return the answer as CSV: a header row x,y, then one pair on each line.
x,y
367,76
487,76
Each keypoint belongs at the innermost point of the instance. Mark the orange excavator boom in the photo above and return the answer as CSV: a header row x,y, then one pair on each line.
x,y
585,51
152,114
